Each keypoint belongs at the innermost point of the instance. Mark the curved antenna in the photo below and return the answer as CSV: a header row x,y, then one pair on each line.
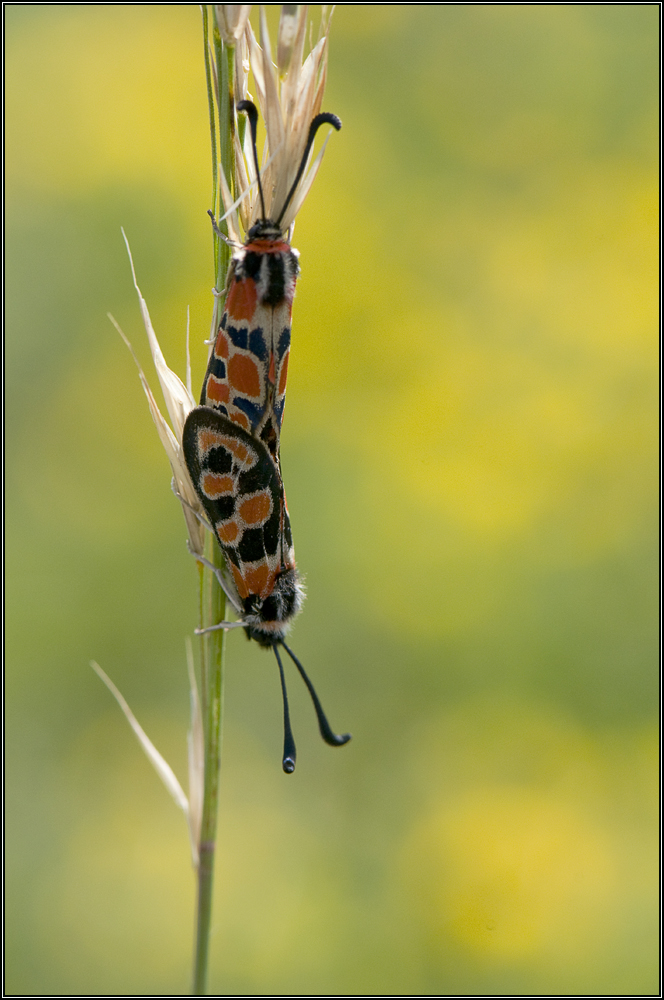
x,y
319,120
288,761
252,114
325,730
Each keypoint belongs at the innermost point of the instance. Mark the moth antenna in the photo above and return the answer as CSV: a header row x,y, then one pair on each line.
x,y
325,730
288,762
249,109
319,120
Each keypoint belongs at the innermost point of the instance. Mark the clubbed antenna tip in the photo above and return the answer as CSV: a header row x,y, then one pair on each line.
x,y
290,753
325,117
330,737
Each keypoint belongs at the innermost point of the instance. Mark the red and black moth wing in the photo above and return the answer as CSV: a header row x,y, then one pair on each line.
x,y
239,484
246,375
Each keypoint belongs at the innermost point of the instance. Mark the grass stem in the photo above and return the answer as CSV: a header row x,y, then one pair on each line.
x,y
212,601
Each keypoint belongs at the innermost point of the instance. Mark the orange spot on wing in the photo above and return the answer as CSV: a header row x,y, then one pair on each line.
x,y
221,347
228,532
257,580
241,301
239,583
256,509
209,439
216,389
243,375
235,447
216,486
283,375
241,419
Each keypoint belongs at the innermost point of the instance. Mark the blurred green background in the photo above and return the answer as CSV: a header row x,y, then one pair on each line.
x,y
470,456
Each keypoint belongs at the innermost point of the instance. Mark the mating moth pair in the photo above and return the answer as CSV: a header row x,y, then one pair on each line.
x,y
231,441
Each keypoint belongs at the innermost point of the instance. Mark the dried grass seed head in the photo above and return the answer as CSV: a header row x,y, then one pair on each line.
x,y
231,20
289,96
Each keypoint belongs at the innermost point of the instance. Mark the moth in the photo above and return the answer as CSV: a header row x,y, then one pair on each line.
x,y
240,487
231,441
248,366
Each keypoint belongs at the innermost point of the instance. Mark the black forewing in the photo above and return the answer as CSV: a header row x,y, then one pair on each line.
x,y
254,543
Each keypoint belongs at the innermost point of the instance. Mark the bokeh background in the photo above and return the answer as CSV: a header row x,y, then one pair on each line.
x,y
470,456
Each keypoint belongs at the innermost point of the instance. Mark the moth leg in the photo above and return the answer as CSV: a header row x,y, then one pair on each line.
x,y
224,625
218,232
223,582
185,503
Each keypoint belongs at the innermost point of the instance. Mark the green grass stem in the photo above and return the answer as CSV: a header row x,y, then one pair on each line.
x,y
212,601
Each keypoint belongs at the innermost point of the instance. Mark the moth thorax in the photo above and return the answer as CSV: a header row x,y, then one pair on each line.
x,y
274,273
275,612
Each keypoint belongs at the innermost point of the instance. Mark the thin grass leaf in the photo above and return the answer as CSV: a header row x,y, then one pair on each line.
x,y
163,769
